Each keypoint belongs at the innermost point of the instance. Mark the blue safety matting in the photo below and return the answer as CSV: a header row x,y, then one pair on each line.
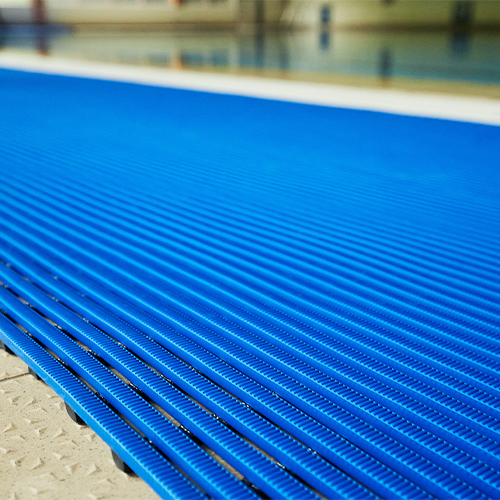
x,y
312,293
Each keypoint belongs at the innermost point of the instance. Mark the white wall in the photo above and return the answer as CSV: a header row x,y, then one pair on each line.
x,y
140,11
16,14
301,13
398,13
488,13
130,12
15,3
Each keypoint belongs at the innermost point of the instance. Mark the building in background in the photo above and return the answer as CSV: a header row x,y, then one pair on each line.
x,y
392,13
323,14
139,12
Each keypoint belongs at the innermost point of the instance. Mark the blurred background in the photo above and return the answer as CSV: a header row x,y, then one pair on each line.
x,y
437,45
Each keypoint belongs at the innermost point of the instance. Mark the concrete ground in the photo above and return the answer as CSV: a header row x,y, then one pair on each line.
x,y
44,455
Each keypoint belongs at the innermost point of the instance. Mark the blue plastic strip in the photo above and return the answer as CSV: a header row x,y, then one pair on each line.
x,y
153,425
444,405
339,451
329,293
136,452
325,478
257,468
420,414
381,446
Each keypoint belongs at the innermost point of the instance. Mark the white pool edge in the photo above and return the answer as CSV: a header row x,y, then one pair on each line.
x,y
449,107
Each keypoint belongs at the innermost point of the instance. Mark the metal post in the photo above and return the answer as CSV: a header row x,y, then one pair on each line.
x,y
39,12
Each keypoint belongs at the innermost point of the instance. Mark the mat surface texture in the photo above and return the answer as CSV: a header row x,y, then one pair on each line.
x,y
247,298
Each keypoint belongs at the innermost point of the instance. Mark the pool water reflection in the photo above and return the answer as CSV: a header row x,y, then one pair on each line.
x,y
459,56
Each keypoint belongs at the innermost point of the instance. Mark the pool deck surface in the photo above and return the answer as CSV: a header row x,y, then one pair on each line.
x,y
410,98
44,454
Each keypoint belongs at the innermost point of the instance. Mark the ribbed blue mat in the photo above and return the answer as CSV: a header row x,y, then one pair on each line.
x,y
311,293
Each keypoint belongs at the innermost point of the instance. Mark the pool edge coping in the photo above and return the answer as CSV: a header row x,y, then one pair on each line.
x,y
482,110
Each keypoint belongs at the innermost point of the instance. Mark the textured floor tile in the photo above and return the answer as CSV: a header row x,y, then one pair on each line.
x,y
11,366
45,455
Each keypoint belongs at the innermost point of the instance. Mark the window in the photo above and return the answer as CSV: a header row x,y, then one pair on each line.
x,y
463,13
325,14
